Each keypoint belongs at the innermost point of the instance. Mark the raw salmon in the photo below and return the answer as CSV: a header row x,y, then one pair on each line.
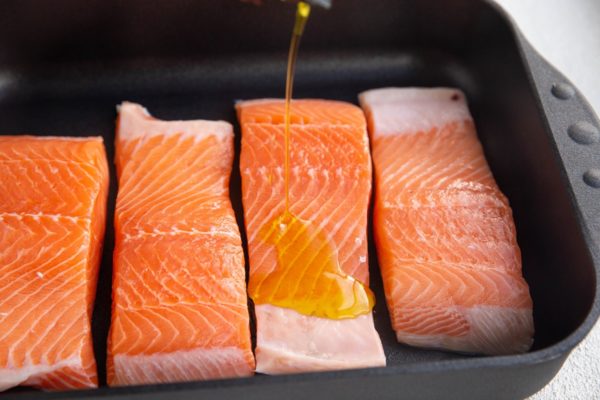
x,y
180,308
329,188
445,236
52,216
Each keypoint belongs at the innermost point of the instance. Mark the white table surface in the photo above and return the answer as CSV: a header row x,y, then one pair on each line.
x,y
567,33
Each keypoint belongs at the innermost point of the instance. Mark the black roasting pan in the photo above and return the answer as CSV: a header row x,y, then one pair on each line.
x,y
64,65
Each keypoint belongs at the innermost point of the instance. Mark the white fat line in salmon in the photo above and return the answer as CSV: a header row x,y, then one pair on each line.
x,y
175,232
37,216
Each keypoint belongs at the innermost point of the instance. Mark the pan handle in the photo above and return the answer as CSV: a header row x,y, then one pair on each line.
x,y
576,132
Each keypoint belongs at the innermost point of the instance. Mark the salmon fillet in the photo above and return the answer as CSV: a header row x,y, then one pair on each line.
x,y
329,185
52,215
445,236
180,308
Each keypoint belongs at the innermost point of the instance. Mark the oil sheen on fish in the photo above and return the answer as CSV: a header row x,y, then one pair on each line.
x,y
308,264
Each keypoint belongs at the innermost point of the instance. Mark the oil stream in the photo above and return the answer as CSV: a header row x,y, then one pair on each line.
x,y
308,277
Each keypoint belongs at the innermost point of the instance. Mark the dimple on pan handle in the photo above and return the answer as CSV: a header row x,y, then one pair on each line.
x,y
576,132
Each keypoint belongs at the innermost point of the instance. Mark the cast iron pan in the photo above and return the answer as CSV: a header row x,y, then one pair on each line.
x,y
64,65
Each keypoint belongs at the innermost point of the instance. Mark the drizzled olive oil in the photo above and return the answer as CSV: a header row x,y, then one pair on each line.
x,y
308,277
